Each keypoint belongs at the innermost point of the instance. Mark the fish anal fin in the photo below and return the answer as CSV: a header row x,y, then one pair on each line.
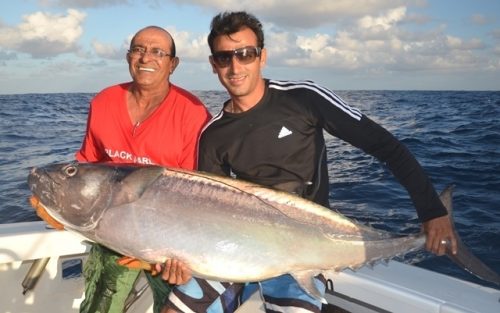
x,y
133,263
306,281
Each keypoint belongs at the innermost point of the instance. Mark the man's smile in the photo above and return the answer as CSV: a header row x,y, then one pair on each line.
x,y
147,69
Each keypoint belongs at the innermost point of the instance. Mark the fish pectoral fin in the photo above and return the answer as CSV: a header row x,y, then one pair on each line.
x,y
134,184
133,263
306,281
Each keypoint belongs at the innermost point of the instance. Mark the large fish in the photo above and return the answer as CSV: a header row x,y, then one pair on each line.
x,y
222,228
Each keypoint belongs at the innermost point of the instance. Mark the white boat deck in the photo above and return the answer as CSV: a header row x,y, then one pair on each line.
x,y
20,245
395,287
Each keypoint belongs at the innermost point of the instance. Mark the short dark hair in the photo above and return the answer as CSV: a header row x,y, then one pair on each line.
x,y
228,23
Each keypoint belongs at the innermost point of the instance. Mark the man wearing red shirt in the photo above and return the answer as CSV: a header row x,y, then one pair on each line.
x,y
168,136
146,121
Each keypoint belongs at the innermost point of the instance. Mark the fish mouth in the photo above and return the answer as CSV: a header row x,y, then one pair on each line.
x,y
42,185
45,186
51,217
42,212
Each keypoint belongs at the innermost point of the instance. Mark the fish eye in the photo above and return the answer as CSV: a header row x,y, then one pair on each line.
x,y
70,170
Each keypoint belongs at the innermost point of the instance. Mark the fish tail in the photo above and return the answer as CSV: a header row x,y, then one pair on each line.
x,y
464,257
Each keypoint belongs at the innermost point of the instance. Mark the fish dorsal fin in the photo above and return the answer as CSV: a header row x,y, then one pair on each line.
x,y
446,198
306,281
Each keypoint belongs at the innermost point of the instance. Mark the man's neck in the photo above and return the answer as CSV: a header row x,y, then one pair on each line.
x,y
142,102
146,96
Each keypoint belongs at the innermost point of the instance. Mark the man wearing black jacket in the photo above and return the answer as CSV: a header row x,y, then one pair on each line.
x,y
271,132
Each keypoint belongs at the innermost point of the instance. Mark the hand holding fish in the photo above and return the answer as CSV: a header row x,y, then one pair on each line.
x,y
440,235
174,272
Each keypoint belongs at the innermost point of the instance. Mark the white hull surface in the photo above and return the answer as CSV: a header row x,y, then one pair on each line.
x,y
395,287
55,292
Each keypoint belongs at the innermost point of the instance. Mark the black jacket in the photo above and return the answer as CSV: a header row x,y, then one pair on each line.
x,y
279,143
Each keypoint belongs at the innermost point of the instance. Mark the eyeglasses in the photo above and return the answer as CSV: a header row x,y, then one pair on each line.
x,y
245,55
155,53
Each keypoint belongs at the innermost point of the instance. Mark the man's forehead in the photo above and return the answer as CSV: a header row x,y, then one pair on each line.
x,y
152,36
243,37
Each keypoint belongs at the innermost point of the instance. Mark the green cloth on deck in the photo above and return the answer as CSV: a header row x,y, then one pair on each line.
x,y
108,284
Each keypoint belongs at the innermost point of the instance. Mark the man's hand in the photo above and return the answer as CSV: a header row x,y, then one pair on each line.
x,y
174,272
440,235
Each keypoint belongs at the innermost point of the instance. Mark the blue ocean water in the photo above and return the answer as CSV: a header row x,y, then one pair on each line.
x,y
454,134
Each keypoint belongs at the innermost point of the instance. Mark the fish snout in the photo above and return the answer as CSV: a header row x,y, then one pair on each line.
x,y
33,178
38,180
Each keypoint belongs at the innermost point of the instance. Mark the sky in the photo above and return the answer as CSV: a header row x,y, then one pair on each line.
x,y
64,46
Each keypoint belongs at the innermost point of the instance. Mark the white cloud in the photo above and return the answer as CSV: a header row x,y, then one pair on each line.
x,y
483,19
323,39
107,51
385,21
460,44
369,44
300,13
44,34
495,33
378,44
315,43
7,56
496,50
190,47
81,3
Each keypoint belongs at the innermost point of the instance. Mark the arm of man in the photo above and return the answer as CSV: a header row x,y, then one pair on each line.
x,y
373,139
436,222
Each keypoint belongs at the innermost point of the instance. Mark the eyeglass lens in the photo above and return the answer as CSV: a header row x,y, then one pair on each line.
x,y
154,52
244,55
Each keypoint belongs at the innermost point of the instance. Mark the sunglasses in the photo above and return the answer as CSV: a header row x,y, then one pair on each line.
x,y
245,55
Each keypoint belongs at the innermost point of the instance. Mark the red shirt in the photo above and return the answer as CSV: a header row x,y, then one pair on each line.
x,y
168,137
